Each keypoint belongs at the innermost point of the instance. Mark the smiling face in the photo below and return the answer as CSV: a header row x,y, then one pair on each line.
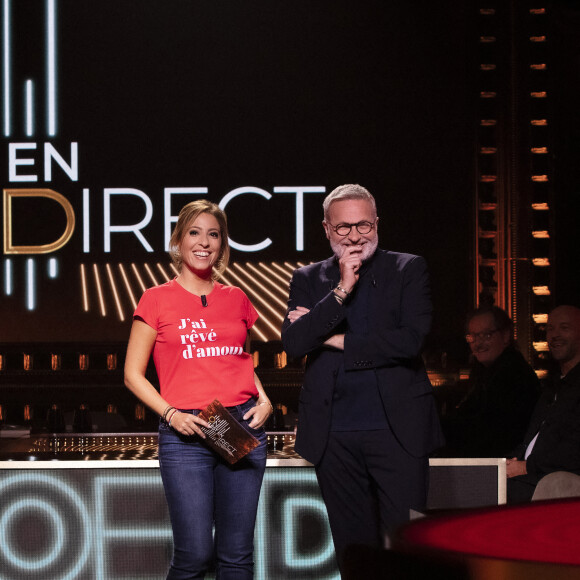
x,y
563,335
351,211
201,244
487,350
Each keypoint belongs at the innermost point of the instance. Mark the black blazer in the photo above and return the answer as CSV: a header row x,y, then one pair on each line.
x,y
399,320
557,419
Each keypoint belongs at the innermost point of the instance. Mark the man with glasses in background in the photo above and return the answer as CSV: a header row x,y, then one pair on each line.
x,y
492,416
367,417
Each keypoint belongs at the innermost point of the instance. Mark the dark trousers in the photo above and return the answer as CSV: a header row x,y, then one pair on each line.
x,y
520,489
369,483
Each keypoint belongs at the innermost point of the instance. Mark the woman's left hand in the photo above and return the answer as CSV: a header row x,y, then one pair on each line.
x,y
259,414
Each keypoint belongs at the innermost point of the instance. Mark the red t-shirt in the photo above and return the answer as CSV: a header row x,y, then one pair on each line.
x,y
199,351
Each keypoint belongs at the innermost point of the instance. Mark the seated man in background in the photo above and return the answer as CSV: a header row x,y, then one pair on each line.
x,y
552,441
492,417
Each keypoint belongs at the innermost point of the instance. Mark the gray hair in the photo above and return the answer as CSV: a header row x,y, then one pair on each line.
x,y
345,192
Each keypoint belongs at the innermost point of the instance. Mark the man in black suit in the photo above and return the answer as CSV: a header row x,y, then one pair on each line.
x,y
367,418
493,415
552,441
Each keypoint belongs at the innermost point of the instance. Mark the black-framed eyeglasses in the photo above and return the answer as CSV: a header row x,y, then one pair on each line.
x,y
345,229
484,336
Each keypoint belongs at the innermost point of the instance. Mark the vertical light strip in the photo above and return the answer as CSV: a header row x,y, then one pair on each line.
x,y
257,297
86,222
51,65
275,329
115,293
99,290
255,330
283,281
261,290
292,267
283,271
29,108
136,272
221,278
52,268
128,286
84,289
300,221
8,285
6,66
175,270
163,272
151,275
30,284
224,278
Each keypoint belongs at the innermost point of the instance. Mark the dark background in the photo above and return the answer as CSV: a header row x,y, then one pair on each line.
x,y
225,94
565,47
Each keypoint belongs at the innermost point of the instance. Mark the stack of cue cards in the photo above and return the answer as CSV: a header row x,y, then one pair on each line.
x,y
225,435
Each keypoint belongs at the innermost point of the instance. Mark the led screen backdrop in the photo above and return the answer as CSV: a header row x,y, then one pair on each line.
x,y
115,113
111,523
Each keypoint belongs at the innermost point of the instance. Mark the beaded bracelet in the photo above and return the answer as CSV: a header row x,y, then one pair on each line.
x,y
339,299
164,416
341,289
171,415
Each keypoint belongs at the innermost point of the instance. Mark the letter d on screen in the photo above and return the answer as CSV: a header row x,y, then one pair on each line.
x,y
9,248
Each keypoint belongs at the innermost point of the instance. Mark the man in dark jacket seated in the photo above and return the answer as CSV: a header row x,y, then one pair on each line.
x,y
552,441
492,417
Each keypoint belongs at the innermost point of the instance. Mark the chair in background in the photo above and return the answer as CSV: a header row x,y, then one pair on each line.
x,y
557,484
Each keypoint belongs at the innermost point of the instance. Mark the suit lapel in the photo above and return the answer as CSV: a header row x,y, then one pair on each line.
x,y
329,275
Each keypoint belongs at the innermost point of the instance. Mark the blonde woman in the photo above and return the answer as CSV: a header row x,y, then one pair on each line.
x,y
196,329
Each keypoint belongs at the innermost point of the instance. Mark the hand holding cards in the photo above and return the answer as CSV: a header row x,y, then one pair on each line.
x,y
225,435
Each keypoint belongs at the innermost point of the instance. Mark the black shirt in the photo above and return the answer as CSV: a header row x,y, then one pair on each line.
x,y
357,403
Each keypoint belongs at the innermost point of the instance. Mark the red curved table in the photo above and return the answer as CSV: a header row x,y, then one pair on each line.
x,y
544,536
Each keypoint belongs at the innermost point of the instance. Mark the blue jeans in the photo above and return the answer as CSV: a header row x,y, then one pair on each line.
x,y
202,489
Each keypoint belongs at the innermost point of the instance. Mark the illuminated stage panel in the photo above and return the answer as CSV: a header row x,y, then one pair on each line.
x,y
117,447
114,292
128,130
109,520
